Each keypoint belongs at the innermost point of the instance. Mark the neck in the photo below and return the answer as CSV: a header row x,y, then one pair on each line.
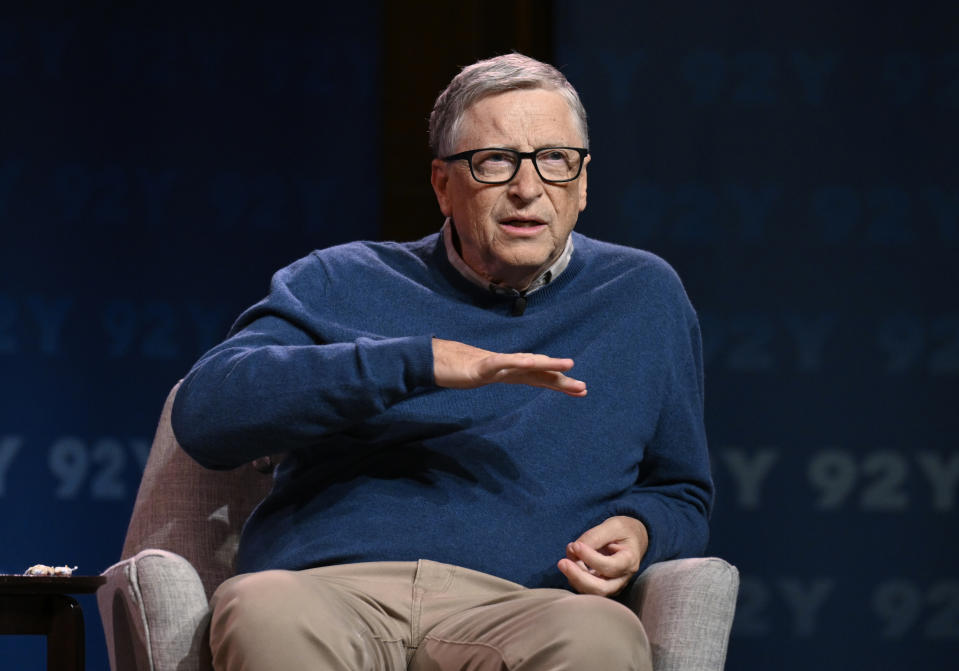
x,y
522,282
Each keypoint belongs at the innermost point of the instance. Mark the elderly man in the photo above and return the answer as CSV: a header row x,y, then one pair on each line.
x,y
451,497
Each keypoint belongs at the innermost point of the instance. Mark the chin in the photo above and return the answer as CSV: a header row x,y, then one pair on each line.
x,y
523,261
524,253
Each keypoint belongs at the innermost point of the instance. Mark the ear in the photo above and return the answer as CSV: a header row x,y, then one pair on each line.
x,y
439,178
582,184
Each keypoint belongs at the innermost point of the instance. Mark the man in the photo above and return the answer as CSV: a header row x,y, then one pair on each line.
x,y
450,496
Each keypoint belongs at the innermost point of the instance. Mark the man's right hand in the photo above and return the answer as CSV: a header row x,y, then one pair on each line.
x,y
460,366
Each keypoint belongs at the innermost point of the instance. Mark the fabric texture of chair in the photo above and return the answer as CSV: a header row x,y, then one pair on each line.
x,y
181,544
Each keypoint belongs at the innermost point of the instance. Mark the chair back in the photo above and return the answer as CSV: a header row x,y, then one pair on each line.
x,y
190,510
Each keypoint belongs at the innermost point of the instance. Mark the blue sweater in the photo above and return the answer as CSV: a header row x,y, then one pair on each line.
x,y
335,368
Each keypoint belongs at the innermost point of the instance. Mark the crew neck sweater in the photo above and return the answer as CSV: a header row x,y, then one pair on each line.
x,y
334,369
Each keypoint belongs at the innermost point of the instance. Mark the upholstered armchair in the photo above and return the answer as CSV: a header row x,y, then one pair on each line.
x,y
182,540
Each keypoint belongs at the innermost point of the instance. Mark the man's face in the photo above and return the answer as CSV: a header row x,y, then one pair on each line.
x,y
511,232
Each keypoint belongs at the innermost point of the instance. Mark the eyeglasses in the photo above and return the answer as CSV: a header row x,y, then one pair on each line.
x,y
495,165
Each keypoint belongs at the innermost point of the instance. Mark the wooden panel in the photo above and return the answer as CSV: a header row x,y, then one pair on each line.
x,y
424,46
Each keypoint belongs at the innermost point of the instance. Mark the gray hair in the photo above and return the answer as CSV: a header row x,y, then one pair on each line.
x,y
510,72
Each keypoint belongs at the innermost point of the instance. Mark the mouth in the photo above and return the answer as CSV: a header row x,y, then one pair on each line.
x,y
522,227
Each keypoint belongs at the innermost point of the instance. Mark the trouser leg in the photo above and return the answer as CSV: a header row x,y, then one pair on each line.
x,y
319,619
517,629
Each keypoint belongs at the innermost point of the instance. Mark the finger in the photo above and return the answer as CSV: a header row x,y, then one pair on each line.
x,y
526,361
618,561
580,578
555,381
585,582
576,560
537,377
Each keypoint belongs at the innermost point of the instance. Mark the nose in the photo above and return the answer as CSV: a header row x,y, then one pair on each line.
x,y
526,184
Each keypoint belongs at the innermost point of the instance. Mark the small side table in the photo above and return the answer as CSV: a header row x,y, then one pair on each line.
x,y
40,605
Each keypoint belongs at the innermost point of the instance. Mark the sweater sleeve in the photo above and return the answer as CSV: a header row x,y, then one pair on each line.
x,y
284,378
673,495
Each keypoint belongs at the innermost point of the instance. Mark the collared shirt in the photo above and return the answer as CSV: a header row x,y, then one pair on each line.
x,y
544,278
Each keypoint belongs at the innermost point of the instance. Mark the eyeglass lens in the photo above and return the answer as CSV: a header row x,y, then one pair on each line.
x,y
499,165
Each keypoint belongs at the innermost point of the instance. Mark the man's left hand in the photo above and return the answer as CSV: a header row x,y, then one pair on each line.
x,y
604,559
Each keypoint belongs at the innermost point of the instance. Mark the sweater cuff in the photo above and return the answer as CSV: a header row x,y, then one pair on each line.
x,y
411,359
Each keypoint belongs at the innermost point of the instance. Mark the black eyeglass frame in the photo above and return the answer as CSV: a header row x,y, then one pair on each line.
x,y
531,155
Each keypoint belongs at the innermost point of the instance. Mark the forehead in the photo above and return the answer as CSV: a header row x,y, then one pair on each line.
x,y
526,118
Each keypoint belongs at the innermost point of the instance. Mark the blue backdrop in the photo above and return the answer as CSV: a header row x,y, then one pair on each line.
x,y
795,164
154,171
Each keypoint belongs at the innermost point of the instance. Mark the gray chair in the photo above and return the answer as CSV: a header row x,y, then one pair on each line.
x,y
182,540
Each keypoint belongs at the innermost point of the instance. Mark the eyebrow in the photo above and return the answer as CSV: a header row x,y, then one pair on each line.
x,y
536,148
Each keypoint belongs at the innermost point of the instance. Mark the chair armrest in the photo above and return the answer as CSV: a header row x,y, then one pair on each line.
x,y
687,607
155,614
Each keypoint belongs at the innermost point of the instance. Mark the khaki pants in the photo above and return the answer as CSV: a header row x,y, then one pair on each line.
x,y
422,616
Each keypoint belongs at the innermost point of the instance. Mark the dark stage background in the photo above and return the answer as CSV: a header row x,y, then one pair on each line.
x,y
796,164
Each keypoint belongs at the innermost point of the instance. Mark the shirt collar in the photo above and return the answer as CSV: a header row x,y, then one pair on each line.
x,y
544,278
